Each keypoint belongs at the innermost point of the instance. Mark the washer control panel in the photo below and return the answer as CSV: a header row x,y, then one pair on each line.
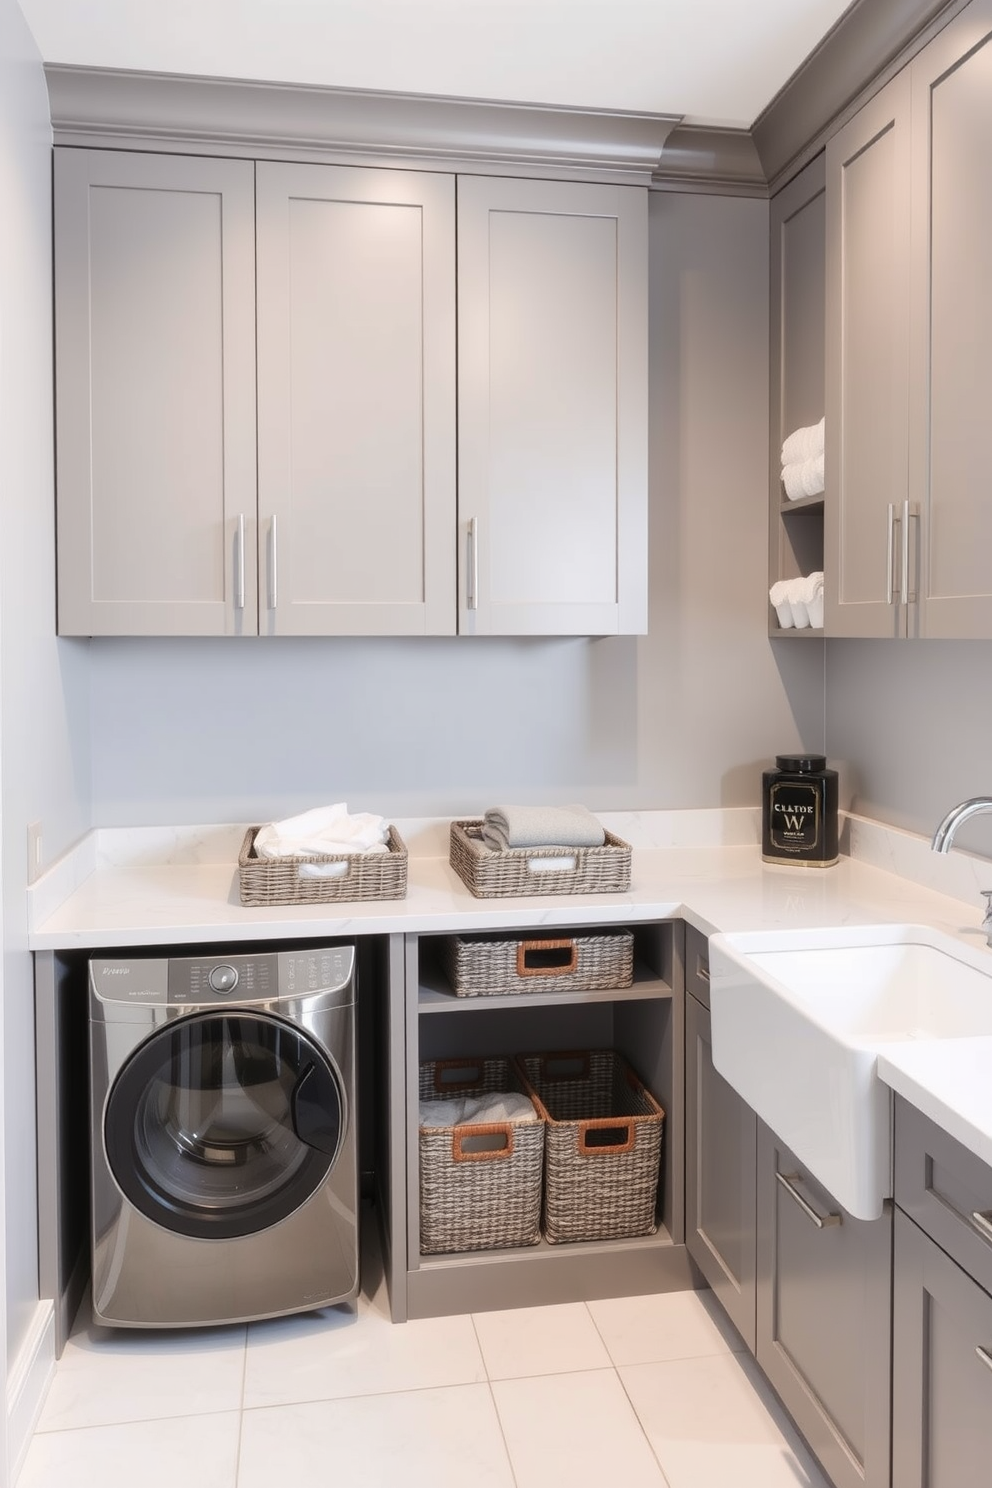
x,y
198,981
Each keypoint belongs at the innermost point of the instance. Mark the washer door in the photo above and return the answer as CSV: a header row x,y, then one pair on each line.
x,y
223,1124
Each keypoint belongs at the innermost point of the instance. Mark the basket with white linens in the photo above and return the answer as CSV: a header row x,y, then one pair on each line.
x,y
323,856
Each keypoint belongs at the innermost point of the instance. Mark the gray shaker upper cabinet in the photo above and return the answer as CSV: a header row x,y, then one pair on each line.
x,y
867,513
356,401
552,407
951,386
155,393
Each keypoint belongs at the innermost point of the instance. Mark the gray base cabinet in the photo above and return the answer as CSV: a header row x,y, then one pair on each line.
x,y
720,1165
824,1317
942,1323
942,1368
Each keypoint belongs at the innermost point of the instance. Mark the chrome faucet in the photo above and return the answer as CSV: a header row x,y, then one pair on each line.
x,y
944,836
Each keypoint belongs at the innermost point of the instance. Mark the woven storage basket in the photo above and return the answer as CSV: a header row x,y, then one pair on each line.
x,y
603,1157
493,965
524,870
480,1185
350,875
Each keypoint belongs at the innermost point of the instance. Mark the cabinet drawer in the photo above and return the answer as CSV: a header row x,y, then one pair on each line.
x,y
697,965
946,1189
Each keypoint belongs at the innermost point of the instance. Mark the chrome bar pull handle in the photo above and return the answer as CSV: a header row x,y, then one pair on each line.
x,y
239,564
984,1355
890,554
910,513
983,1222
472,579
822,1221
273,565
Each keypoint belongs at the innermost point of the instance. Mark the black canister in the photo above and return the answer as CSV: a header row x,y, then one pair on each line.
x,y
799,812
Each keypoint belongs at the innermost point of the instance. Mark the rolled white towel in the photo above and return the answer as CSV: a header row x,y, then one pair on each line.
x,y
779,596
797,599
541,826
803,477
325,829
812,597
803,444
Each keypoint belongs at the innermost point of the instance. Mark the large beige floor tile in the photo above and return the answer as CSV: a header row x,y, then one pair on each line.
x,y
574,1429
539,1340
447,1438
324,1357
107,1376
191,1452
711,1426
670,1325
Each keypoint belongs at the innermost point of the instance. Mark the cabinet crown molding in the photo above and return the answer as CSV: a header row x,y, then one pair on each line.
x,y
111,106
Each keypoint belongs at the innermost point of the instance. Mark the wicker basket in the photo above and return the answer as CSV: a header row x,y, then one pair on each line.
x,y
537,870
480,1185
603,1157
348,875
494,965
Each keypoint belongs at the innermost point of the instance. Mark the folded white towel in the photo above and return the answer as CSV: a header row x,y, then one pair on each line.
x,y
779,596
541,826
803,477
477,1110
325,829
803,444
797,599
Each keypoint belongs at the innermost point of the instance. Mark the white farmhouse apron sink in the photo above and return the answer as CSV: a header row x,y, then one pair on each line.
x,y
800,1016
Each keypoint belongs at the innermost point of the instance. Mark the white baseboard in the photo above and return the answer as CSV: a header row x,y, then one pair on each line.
x,y
27,1384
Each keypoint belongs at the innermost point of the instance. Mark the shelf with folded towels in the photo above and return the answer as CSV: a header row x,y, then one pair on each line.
x,y
798,603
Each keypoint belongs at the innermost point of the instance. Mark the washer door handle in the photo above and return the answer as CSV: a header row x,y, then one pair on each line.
x,y
315,1107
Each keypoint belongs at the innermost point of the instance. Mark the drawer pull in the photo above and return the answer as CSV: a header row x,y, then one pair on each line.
x,y
703,971
984,1355
822,1221
983,1223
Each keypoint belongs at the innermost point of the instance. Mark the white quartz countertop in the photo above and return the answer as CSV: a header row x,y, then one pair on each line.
x,y
166,887
151,887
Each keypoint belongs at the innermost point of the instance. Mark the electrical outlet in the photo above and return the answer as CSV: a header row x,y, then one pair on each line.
x,y
34,851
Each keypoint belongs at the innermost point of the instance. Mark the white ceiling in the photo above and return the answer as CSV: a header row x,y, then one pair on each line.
x,y
713,61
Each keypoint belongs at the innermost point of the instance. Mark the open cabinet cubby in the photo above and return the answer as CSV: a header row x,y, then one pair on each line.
x,y
644,1023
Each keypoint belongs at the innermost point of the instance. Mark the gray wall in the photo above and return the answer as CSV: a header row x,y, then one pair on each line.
x,y
910,724
249,730
44,754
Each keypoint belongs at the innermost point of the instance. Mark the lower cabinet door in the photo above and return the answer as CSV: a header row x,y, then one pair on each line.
x,y
942,1368
824,1316
720,1148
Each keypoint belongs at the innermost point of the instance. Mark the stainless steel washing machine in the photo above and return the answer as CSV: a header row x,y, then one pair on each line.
x,y
224,1168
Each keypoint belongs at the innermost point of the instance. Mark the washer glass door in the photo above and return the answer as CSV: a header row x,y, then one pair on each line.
x,y
223,1124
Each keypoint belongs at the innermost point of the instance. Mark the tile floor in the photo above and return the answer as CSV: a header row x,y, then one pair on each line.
x,y
641,1392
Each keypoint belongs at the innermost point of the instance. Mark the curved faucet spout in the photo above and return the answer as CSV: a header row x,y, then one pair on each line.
x,y
944,835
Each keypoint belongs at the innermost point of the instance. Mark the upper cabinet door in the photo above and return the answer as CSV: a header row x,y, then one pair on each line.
x,y
155,394
356,391
952,297
552,407
867,514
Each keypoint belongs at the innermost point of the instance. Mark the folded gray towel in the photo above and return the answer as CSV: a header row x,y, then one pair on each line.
x,y
541,826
